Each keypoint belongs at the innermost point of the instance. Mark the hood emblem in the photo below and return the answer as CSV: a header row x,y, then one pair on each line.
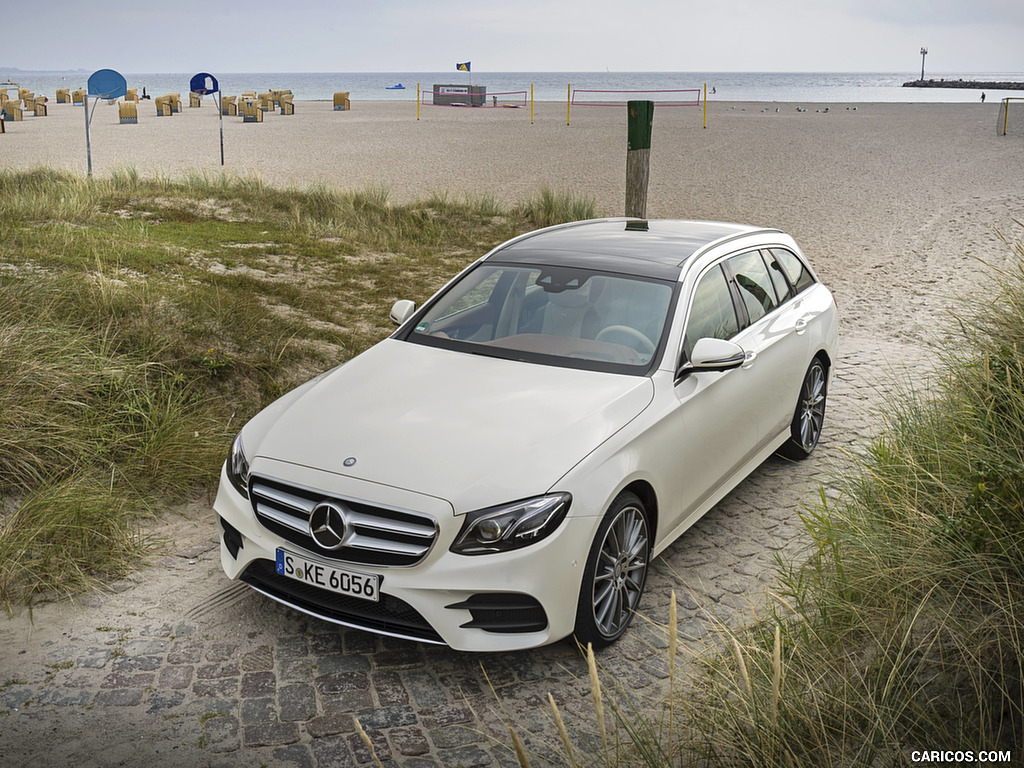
x,y
327,525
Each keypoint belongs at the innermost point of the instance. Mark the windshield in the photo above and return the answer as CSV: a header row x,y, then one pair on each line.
x,y
555,315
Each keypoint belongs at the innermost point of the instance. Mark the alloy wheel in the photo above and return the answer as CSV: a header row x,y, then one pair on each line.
x,y
620,571
811,414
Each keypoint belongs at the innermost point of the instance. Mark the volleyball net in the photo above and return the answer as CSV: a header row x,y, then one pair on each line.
x,y
1011,116
677,97
660,97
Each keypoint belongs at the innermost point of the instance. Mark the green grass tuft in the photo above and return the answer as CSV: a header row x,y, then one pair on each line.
x,y
549,207
143,320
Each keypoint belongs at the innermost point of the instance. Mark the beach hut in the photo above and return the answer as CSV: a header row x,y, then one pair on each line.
x,y
78,96
37,105
251,111
287,105
266,101
163,105
341,101
128,111
132,94
63,96
13,110
228,107
175,101
194,100
280,94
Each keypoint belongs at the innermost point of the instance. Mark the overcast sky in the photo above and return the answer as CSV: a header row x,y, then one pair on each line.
x,y
513,35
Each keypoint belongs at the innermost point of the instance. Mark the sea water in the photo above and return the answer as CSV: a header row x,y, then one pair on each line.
x,y
799,87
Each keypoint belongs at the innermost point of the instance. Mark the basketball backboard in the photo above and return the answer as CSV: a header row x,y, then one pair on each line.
x,y
107,84
203,83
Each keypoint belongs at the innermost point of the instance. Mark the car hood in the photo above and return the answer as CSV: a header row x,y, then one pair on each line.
x,y
473,430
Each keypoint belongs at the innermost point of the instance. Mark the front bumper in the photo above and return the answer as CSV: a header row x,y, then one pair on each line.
x,y
505,601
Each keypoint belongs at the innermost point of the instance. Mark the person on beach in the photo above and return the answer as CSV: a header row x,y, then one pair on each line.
x,y
982,97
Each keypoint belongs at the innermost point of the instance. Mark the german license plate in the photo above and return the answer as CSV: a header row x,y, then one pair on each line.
x,y
328,577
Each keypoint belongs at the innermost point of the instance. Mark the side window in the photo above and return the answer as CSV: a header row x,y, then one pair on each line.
x,y
712,314
799,277
755,285
778,277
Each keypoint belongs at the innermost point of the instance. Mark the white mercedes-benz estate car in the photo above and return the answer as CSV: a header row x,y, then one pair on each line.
x,y
499,472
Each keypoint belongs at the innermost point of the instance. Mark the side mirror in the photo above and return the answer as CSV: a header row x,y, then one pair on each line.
x,y
402,311
713,355
716,355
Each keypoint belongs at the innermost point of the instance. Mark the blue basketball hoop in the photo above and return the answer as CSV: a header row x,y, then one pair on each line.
x,y
107,84
203,83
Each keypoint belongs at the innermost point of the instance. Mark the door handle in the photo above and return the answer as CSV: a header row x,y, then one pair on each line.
x,y
748,358
801,325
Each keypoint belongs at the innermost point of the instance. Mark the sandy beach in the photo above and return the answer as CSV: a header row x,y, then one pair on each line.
x,y
895,204
888,199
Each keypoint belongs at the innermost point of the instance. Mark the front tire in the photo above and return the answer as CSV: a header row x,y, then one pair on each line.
x,y
615,574
805,429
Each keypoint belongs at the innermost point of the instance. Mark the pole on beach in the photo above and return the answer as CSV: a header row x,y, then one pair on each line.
x,y
705,105
204,84
88,143
531,103
220,112
639,120
924,52
417,101
568,101
102,84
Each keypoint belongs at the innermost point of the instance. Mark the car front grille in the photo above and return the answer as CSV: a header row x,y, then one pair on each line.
x,y
377,535
389,615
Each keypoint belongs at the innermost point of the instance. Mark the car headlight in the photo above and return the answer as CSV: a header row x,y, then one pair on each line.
x,y
238,467
511,526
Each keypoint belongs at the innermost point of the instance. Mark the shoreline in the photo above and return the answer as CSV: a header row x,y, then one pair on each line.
x,y
711,103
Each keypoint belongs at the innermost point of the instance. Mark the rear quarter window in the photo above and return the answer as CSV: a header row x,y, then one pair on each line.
x,y
799,276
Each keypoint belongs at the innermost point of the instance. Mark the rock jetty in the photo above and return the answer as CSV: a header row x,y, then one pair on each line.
x,y
976,84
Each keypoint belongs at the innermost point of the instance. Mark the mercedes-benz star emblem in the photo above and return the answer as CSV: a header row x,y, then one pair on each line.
x,y
327,525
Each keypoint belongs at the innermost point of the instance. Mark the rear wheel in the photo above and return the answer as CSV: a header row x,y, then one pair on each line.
x,y
805,429
615,574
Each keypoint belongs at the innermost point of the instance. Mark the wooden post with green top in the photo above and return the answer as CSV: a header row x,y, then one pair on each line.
x,y
640,119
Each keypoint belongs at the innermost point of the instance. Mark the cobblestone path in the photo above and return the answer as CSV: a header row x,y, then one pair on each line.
x,y
181,667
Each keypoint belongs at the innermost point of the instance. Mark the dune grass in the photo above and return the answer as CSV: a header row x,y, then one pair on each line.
x,y
143,320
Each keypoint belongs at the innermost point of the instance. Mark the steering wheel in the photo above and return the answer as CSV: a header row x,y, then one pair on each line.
x,y
643,344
